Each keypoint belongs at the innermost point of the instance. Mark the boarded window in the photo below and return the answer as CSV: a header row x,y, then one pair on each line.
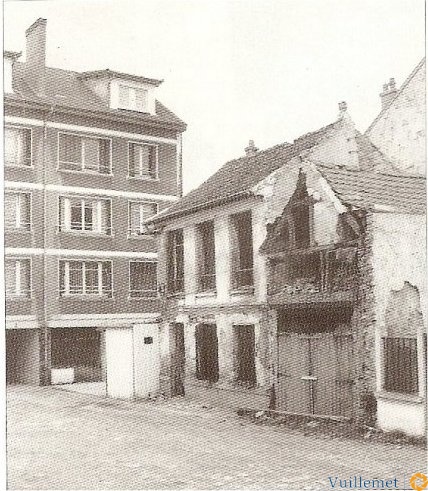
x,y
245,355
206,352
400,365
142,279
175,261
206,252
133,98
242,250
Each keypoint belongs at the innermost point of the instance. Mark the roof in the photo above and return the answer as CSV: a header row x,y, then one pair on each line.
x,y
113,74
399,92
65,88
377,191
236,178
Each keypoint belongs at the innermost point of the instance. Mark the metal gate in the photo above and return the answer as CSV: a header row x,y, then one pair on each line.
x,y
315,374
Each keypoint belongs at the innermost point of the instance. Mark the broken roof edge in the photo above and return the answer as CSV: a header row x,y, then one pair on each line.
x,y
399,92
115,74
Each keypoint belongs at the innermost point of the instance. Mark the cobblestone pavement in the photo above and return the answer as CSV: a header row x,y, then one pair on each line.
x,y
65,440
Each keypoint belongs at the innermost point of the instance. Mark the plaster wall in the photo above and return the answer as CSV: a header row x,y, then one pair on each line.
x,y
399,132
120,362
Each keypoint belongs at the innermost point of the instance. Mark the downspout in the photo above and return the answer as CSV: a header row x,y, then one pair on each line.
x,y
43,312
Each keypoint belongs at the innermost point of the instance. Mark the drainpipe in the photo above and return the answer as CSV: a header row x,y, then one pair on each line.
x,y
43,312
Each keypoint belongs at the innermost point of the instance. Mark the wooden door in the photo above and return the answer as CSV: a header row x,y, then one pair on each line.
x,y
178,359
315,374
293,363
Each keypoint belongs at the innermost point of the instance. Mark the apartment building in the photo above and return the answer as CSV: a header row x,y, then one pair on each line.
x,y
88,158
281,272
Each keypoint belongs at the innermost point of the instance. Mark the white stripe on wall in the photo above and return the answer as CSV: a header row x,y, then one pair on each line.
x,y
29,251
91,191
89,129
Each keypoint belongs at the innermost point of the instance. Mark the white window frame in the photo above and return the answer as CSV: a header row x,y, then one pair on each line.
x,y
140,176
65,212
142,231
82,163
22,166
66,293
18,226
131,106
143,297
18,290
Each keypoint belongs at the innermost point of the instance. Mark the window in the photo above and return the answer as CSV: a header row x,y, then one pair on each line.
x,y
85,215
17,211
206,251
138,212
143,160
242,250
175,261
18,278
142,279
86,278
133,98
400,365
84,154
17,146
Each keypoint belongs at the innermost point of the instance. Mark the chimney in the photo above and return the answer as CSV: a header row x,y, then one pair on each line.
x,y
251,150
36,54
388,94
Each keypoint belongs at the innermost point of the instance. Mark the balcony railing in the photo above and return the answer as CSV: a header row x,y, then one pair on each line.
x,y
313,273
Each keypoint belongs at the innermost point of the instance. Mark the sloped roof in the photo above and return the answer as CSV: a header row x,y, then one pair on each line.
x,y
236,178
65,88
113,74
418,67
371,190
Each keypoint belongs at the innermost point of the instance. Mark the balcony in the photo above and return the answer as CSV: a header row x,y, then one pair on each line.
x,y
313,275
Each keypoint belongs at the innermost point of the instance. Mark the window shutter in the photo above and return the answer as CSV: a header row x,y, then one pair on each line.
x,y
10,276
123,96
10,210
24,204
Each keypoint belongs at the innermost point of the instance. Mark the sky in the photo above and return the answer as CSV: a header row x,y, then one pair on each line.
x,y
234,70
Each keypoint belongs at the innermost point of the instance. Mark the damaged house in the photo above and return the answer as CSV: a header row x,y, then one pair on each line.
x,y
292,279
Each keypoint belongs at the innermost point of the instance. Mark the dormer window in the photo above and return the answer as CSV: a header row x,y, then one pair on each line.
x,y
133,98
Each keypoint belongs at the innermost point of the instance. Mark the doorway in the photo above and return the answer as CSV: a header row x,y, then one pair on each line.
x,y
245,366
206,352
178,358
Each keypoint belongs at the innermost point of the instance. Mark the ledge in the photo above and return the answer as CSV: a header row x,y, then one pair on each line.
x,y
398,397
245,290
208,294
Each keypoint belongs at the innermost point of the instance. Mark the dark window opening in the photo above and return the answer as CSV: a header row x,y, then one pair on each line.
x,y
400,365
142,279
176,261
245,355
242,250
206,251
206,352
300,214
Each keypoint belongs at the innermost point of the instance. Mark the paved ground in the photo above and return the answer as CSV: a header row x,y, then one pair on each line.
x,y
65,440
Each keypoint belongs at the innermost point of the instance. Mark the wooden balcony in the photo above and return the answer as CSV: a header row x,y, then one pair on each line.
x,y
313,275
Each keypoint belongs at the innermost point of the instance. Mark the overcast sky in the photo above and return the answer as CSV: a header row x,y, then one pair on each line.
x,y
269,70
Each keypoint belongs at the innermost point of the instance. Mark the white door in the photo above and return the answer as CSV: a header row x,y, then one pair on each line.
x,y
146,359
